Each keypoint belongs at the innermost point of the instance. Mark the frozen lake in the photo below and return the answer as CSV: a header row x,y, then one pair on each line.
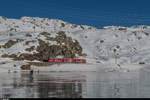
x,y
76,84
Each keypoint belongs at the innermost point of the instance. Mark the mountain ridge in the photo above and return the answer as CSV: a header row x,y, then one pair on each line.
x,y
110,44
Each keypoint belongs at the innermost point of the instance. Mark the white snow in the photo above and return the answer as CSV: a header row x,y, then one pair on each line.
x,y
131,43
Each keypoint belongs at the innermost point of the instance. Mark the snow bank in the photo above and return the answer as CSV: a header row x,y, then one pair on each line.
x,y
89,67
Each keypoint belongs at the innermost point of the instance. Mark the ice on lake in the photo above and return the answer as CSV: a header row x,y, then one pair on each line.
x,y
76,84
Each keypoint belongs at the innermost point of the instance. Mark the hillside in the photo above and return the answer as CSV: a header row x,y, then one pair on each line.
x,y
35,39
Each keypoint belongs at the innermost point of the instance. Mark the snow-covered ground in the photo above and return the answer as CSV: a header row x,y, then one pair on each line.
x,y
89,68
105,48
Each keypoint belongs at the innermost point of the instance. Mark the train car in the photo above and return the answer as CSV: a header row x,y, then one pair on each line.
x,y
51,60
69,60
58,60
79,61
66,60
83,61
74,61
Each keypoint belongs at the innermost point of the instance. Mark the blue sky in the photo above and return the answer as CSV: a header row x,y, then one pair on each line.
x,y
91,12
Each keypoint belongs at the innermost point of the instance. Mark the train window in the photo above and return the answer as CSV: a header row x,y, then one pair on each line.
x,y
53,59
65,59
75,60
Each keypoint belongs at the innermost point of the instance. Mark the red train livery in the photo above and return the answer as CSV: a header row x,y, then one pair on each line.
x,y
66,60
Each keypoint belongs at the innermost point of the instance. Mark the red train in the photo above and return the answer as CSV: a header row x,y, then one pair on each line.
x,y
66,60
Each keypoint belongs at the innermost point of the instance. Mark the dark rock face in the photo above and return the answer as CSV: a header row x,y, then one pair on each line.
x,y
10,43
10,56
65,47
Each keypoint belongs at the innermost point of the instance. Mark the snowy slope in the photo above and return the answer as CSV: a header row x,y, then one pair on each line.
x,y
110,44
131,44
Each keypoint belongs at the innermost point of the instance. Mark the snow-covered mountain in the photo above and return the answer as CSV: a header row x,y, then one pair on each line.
x,y
110,44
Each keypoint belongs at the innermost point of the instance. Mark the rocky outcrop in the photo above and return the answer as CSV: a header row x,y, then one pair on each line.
x,y
10,43
65,47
